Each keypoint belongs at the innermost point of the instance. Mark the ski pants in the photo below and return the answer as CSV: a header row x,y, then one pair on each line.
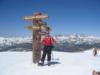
x,y
46,51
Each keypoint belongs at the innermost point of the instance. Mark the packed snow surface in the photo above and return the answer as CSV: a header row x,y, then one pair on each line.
x,y
63,63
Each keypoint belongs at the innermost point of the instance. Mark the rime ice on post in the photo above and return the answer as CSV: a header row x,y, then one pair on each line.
x,y
38,28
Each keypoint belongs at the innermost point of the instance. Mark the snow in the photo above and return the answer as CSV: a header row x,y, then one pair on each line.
x,y
14,40
66,63
78,39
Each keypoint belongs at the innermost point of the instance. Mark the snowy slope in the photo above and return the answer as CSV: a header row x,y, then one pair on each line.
x,y
20,63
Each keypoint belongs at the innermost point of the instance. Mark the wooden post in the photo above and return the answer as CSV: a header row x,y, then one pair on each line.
x,y
37,27
36,44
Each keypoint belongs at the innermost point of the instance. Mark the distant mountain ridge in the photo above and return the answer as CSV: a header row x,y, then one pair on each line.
x,y
71,42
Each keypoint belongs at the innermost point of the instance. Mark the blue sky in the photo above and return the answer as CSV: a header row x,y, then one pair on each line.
x,y
65,16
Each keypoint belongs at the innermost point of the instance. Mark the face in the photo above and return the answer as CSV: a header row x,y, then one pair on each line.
x,y
47,35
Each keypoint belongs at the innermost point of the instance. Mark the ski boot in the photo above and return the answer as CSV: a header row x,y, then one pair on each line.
x,y
40,63
49,63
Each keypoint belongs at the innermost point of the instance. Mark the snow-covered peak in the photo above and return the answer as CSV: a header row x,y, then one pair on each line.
x,y
14,40
73,38
78,39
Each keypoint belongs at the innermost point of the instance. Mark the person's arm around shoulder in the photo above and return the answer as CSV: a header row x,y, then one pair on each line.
x,y
53,40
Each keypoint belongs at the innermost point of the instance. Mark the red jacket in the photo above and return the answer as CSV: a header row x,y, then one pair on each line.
x,y
48,41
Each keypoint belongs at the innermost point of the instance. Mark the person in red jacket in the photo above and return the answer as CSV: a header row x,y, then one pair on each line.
x,y
48,42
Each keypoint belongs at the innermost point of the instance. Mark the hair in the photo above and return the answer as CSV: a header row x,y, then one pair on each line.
x,y
37,13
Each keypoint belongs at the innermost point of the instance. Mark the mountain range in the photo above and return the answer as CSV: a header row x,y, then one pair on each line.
x,y
66,43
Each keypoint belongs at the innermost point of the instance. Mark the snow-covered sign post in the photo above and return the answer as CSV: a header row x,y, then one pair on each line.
x,y
38,28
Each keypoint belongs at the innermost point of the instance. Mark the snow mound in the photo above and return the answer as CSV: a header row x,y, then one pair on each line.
x,y
63,63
